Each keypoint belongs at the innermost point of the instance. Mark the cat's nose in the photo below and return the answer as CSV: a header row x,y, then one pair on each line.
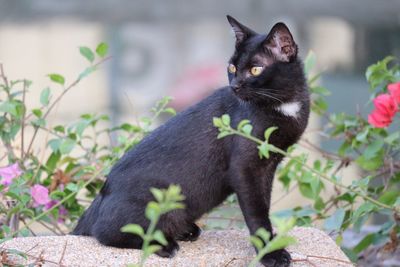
x,y
235,88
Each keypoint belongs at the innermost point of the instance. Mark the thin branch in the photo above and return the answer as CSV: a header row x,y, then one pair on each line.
x,y
304,260
47,227
32,247
329,258
3,76
58,100
23,119
230,261
63,253
24,222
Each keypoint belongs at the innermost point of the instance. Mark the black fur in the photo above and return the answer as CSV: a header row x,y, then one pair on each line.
x,y
185,151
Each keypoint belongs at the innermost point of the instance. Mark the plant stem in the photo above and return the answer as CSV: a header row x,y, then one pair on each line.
x,y
147,239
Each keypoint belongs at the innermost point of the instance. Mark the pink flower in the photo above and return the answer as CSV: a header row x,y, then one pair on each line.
x,y
62,214
50,204
385,110
40,195
378,120
62,211
386,105
9,173
394,90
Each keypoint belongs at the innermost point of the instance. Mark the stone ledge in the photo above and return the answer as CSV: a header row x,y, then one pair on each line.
x,y
214,248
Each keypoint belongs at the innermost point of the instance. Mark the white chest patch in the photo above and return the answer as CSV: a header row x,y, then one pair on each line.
x,y
290,109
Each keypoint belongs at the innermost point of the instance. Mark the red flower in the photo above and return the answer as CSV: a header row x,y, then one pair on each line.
x,y
394,90
385,110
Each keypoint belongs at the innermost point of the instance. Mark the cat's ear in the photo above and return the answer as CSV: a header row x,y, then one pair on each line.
x,y
280,42
241,31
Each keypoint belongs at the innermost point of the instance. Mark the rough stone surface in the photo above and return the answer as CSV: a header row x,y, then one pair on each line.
x,y
214,248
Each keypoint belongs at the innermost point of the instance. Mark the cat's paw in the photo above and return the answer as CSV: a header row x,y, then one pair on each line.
x,y
169,250
191,235
279,258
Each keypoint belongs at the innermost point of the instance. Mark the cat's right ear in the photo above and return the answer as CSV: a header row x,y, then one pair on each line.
x,y
241,31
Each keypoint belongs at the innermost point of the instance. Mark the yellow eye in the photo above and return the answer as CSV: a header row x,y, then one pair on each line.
x,y
255,71
231,68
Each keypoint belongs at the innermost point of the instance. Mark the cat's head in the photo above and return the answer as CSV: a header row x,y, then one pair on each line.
x,y
265,67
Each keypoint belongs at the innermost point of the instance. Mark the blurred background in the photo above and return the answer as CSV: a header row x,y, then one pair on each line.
x,y
180,48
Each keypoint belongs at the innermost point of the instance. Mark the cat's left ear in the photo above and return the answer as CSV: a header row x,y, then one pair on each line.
x,y
280,42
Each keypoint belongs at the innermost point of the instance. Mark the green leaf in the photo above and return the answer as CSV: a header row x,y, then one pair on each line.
x,y
264,149
309,62
86,72
37,112
319,90
261,232
257,242
152,211
10,107
369,164
133,229
223,134
373,148
335,221
57,78
102,49
378,73
280,242
242,123
362,136
226,120
170,111
247,129
217,122
59,128
55,144
44,96
392,138
87,53
39,122
159,237
306,190
72,187
52,161
158,194
269,131
364,208
389,197
152,249
364,243
66,146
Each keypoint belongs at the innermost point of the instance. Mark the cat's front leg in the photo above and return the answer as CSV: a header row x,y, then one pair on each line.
x,y
255,209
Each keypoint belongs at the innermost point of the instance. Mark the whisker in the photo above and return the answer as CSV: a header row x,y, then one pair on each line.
x,y
268,95
269,90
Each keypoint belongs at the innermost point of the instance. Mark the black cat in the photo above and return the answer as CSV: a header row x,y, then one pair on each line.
x,y
268,87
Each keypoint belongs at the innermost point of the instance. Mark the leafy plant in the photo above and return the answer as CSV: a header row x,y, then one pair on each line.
x,y
40,186
166,201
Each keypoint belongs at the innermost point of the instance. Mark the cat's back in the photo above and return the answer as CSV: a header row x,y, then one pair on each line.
x,y
188,139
